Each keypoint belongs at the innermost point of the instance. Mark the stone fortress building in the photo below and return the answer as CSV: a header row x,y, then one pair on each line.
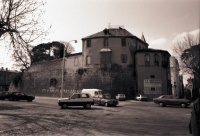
x,y
113,60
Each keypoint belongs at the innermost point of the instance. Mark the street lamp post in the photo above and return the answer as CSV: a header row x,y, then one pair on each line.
x,y
63,65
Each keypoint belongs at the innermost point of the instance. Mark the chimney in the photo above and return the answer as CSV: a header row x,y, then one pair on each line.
x,y
106,31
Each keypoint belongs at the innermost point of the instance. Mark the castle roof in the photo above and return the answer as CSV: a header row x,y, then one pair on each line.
x,y
152,50
112,32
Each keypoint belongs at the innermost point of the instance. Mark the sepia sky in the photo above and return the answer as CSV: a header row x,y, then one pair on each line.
x,y
161,21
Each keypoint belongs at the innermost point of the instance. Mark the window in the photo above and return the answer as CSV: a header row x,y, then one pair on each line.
x,y
88,60
153,88
75,96
105,42
156,60
75,61
123,41
123,58
53,82
164,57
147,60
105,57
164,61
88,43
84,96
152,76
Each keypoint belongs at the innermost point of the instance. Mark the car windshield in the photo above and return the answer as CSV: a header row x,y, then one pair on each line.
x,y
121,95
161,96
75,96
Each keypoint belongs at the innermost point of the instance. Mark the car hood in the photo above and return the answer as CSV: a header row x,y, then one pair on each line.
x,y
63,99
113,99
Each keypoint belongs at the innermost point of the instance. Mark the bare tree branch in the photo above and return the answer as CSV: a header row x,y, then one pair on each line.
x,y
21,24
188,58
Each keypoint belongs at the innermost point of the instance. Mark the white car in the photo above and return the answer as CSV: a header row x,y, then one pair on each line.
x,y
121,97
141,97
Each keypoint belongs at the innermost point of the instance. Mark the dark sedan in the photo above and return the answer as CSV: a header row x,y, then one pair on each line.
x,y
164,100
3,95
17,96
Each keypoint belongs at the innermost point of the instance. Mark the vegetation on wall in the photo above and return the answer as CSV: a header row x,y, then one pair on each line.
x,y
16,78
50,51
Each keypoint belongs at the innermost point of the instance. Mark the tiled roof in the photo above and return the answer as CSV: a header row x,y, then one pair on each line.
x,y
152,50
111,32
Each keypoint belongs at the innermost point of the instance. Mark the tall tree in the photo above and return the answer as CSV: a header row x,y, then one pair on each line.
x,y
21,25
50,51
68,47
187,50
183,51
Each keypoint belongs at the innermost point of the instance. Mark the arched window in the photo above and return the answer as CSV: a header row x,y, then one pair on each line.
x,y
147,60
123,41
156,60
164,61
53,82
88,60
106,43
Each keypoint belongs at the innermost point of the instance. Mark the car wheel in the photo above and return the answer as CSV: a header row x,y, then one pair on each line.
x,y
183,105
87,106
64,106
161,104
106,104
10,99
29,100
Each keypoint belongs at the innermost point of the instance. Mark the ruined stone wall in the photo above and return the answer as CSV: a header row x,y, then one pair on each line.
x,y
44,79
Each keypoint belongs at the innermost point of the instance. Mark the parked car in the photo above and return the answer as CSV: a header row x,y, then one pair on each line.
x,y
17,96
3,95
141,97
164,100
121,97
77,99
106,100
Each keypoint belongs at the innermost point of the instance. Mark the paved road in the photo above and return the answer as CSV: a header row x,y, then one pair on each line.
x,y
44,117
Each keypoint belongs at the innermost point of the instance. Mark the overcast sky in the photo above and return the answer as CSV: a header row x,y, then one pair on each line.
x,y
161,21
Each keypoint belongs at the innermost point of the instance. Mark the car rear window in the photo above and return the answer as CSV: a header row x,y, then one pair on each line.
x,y
84,95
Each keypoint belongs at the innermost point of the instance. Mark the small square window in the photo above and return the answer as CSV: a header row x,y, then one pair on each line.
x,y
123,41
106,42
153,89
88,43
123,58
152,76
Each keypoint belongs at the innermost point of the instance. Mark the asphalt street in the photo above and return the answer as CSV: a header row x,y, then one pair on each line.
x,y
44,117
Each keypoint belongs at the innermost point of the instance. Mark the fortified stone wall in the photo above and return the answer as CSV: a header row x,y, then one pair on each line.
x,y
44,79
